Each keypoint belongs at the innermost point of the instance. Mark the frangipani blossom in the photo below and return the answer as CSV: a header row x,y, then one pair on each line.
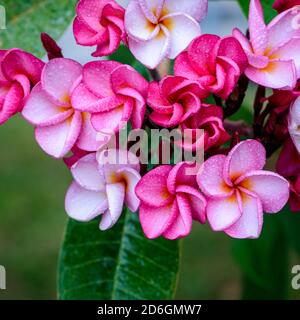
x,y
99,23
215,63
159,29
173,100
294,123
101,188
170,201
239,191
114,93
273,50
19,72
59,127
210,120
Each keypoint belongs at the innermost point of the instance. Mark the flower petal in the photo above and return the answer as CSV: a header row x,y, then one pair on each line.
x,y
279,74
257,27
41,110
59,76
195,8
137,25
16,62
289,51
87,174
250,223
210,178
155,221
246,156
84,205
115,197
88,138
287,21
152,188
151,52
182,225
270,188
132,177
183,29
58,140
222,213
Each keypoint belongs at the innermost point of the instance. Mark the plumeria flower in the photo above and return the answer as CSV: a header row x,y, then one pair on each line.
x,y
102,188
170,200
99,23
59,127
210,120
215,63
294,123
273,50
19,72
159,29
174,100
239,191
113,93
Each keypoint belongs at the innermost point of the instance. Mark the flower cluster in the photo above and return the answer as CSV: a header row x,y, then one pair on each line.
x,y
77,110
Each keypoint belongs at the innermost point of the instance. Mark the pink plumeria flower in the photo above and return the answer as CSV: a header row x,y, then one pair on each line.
x,y
19,72
239,191
215,63
170,200
294,123
273,50
59,127
99,23
173,100
101,188
210,120
114,93
159,29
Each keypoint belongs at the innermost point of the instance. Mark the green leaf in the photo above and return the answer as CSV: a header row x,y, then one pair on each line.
x,y
264,262
117,264
27,19
269,12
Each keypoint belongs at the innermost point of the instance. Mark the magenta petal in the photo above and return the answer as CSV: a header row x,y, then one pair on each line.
x,y
182,225
155,221
152,188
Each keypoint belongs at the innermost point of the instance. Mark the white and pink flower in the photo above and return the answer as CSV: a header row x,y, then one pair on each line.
x,y
159,29
101,188
238,191
59,126
273,50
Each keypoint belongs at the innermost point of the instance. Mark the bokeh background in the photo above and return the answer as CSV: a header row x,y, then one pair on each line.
x,y
32,217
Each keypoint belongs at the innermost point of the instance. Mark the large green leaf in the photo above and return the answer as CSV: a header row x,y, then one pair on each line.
x,y
117,264
264,262
27,19
269,12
